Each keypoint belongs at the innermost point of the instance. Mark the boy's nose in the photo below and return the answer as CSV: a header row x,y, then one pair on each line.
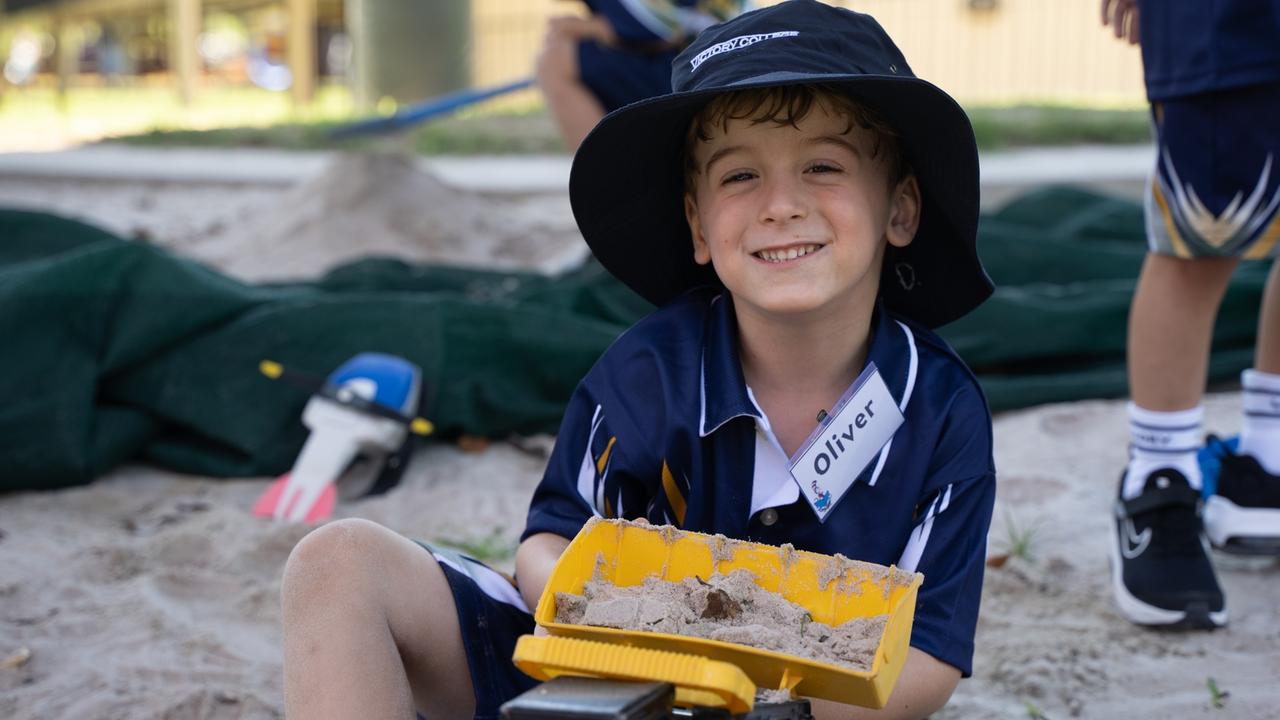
x,y
783,201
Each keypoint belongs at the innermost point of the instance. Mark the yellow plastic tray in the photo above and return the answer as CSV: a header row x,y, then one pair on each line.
x,y
632,552
698,681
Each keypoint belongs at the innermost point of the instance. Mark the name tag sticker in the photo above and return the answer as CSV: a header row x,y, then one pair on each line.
x,y
842,446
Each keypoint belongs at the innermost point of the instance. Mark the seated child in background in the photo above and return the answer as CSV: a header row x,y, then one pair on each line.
x,y
618,55
803,209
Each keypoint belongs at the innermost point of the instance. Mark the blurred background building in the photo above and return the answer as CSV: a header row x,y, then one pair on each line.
x,y
979,50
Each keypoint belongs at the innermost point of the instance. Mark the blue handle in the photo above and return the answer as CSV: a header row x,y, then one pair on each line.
x,y
426,110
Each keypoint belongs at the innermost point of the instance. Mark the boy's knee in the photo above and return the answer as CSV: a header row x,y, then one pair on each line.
x,y
330,557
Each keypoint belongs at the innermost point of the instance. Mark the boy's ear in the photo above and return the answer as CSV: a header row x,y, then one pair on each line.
x,y
904,212
701,252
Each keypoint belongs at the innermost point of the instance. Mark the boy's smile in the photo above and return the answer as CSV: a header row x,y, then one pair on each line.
x,y
794,218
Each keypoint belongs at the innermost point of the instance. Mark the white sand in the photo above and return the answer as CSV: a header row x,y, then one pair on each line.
x,y
153,595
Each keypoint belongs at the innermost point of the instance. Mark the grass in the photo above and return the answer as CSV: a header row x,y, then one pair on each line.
x,y
1019,539
1032,125
491,548
494,134
1217,698
1033,712
250,117
533,132
37,115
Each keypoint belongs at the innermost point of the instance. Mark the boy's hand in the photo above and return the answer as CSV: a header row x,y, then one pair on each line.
x,y
1122,16
576,29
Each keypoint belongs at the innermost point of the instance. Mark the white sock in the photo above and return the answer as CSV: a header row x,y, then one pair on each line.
x,y
1261,434
1162,440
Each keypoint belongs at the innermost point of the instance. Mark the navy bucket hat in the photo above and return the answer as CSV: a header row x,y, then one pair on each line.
x,y
627,182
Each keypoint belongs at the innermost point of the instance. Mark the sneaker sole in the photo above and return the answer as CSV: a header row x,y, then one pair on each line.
x,y
1196,616
1242,530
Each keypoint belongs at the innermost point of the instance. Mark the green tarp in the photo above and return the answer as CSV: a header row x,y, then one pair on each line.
x,y
117,350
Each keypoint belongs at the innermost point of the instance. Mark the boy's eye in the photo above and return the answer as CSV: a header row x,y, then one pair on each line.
x,y
822,168
741,176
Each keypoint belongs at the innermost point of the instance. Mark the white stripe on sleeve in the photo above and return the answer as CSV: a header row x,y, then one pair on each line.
x,y
920,536
912,365
587,473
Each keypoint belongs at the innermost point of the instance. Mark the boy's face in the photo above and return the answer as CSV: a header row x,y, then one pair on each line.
x,y
795,219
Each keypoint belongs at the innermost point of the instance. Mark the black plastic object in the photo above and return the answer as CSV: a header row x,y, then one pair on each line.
x,y
789,710
579,698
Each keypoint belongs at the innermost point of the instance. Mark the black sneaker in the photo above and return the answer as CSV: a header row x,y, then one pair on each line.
x,y
1160,569
1242,513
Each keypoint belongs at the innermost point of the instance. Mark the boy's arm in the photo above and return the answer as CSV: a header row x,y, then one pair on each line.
x,y
592,472
577,29
535,558
924,687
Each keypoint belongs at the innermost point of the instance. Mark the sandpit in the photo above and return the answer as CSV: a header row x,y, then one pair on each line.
x,y
154,595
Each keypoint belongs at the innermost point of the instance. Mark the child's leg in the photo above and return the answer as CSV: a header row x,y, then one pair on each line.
x,y
1260,436
370,628
1160,572
575,109
1267,359
1170,327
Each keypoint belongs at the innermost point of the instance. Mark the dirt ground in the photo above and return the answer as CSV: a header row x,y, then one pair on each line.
x,y
153,595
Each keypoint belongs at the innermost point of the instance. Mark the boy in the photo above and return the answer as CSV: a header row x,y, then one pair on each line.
x,y
803,208
1212,72
619,54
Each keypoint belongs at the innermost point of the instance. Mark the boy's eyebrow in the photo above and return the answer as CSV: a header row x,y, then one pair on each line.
x,y
721,153
834,140
819,140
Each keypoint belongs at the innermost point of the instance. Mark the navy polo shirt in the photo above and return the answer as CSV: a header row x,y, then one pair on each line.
x,y
665,20
665,427
1191,47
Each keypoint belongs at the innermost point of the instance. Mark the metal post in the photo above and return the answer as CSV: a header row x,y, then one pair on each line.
x,y
3,82
66,55
185,19
408,49
302,50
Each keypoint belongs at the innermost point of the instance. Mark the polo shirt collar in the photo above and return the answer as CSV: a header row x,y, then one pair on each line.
x,y
724,389
725,395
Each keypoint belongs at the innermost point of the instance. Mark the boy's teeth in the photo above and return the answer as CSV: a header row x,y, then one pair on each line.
x,y
788,254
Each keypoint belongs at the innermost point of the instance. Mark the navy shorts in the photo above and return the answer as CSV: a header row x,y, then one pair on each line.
x,y
1215,190
491,616
620,77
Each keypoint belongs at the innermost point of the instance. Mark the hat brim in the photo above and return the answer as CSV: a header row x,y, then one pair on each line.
x,y
626,188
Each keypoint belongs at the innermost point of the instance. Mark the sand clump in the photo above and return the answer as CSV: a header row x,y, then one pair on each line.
x,y
726,607
370,204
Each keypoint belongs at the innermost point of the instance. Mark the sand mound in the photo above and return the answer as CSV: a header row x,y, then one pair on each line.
x,y
366,204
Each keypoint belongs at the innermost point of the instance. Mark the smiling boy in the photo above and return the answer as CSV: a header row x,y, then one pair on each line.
x,y
803,209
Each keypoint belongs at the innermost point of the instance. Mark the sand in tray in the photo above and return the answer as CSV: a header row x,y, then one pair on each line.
x,y
730,608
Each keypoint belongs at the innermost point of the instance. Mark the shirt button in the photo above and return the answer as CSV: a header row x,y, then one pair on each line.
x,y
769,516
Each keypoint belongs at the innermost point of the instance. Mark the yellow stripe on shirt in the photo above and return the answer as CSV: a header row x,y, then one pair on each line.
x,y
674,498
604,456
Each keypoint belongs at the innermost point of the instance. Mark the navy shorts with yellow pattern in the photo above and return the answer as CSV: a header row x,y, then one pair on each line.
x,y
1216,186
